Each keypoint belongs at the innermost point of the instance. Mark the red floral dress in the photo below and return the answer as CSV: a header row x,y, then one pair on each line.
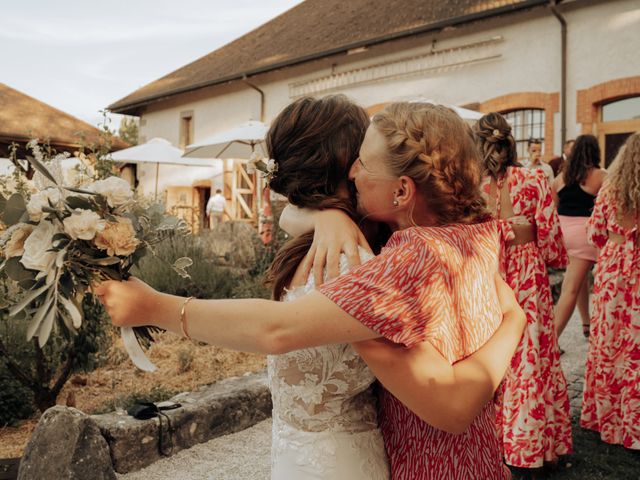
x,y
533,404
611,402
432,284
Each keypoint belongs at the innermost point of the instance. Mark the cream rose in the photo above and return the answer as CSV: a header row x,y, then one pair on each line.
x,y
40,200
83,224
36,254
117,238
116,190
15,245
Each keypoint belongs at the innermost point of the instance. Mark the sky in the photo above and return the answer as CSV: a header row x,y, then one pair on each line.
x,y
82,55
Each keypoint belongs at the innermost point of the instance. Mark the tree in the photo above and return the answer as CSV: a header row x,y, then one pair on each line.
x,y
128,130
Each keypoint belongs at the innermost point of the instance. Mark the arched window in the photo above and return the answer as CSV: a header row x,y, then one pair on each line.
x,y
527,123
620,118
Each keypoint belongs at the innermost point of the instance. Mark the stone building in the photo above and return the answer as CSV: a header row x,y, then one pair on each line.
x,y
555,68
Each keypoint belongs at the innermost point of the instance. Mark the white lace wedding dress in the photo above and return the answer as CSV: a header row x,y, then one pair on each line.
x,y
324,412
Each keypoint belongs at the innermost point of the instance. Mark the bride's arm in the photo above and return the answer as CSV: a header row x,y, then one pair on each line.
x,y
250,325
445,396
334,233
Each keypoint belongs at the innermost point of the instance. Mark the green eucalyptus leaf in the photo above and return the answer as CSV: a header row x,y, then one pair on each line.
x,y
74,312
16,271
103,261
81,203
37,165
14,209
27,299
47,324
79,190
34,324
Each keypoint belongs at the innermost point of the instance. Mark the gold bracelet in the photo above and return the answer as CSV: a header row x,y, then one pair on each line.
x,y
183,318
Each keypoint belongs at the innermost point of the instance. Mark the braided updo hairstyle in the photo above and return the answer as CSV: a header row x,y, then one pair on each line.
x,y
433,146
496,144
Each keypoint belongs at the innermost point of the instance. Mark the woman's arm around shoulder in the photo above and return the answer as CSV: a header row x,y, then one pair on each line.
x,y
445,396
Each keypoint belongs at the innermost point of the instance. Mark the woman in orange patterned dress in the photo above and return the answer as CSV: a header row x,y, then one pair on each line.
x,y
418,172
533,409
611,402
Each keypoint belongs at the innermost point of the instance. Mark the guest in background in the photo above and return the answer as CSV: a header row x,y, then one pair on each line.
x,y
533,408
215,209
611,403
558,163
534,162
575,191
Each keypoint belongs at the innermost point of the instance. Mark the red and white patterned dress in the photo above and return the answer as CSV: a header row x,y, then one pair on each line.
x,y
432,284
611,402
533,404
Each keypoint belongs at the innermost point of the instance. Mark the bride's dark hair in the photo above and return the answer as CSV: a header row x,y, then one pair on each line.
x,y
314,142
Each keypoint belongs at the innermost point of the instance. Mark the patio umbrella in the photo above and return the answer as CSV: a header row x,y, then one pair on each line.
x,y
158,151
239,142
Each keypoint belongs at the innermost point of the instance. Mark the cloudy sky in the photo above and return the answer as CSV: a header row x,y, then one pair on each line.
x,y
80,56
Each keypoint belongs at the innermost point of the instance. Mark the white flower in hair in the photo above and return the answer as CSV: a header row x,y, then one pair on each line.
x,y
272,166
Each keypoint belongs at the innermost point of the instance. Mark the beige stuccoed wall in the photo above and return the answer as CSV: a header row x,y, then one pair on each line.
x,y
603,45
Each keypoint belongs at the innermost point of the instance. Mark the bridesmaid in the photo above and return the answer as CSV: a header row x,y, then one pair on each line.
x,y
533,410
611,403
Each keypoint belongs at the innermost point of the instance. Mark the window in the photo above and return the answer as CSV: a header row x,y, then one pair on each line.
x,y
626,109
526,124
186,128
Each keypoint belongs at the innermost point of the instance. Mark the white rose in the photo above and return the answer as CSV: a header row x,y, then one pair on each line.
x,y
41,199
116,190
36,255
83,224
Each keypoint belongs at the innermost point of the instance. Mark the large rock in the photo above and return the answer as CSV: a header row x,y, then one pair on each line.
x,y
66,444
225,407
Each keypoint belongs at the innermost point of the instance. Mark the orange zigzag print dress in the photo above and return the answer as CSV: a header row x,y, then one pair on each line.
x,y
611,402
533,404
435,284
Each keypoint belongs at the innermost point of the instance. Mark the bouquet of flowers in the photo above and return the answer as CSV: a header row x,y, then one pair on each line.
x,y
62,239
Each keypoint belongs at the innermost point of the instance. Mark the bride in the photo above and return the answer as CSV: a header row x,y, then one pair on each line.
x,y
325,422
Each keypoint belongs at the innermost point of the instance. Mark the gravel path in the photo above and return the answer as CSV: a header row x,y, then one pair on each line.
x,y
240,456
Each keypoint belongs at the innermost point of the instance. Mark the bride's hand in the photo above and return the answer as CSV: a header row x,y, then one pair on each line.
x,y
334,233
129,303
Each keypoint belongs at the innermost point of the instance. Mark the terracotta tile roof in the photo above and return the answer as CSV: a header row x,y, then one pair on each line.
x,y
23,117
316,29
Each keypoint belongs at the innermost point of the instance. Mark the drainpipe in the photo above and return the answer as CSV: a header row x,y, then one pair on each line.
x,y
244,79
563,88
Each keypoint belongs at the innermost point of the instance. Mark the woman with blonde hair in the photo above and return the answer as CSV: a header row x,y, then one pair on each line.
x,y
533,408
418,172
611,402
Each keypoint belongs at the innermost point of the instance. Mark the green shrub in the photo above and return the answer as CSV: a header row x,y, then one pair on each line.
x,y
16,401
208,280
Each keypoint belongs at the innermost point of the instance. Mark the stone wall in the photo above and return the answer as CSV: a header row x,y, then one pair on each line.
x,y
226,407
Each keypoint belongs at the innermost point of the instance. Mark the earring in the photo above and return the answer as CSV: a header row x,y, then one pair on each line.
x,y
395,202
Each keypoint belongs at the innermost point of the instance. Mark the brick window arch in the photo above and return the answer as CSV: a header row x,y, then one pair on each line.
x,y
591,99
547,102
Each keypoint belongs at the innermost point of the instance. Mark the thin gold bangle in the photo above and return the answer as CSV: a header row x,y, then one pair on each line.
x,y
183,318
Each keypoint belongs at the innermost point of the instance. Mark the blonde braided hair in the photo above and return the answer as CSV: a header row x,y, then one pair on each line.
x,y
433,146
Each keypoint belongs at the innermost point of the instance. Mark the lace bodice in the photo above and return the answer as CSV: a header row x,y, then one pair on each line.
x,y
322,388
